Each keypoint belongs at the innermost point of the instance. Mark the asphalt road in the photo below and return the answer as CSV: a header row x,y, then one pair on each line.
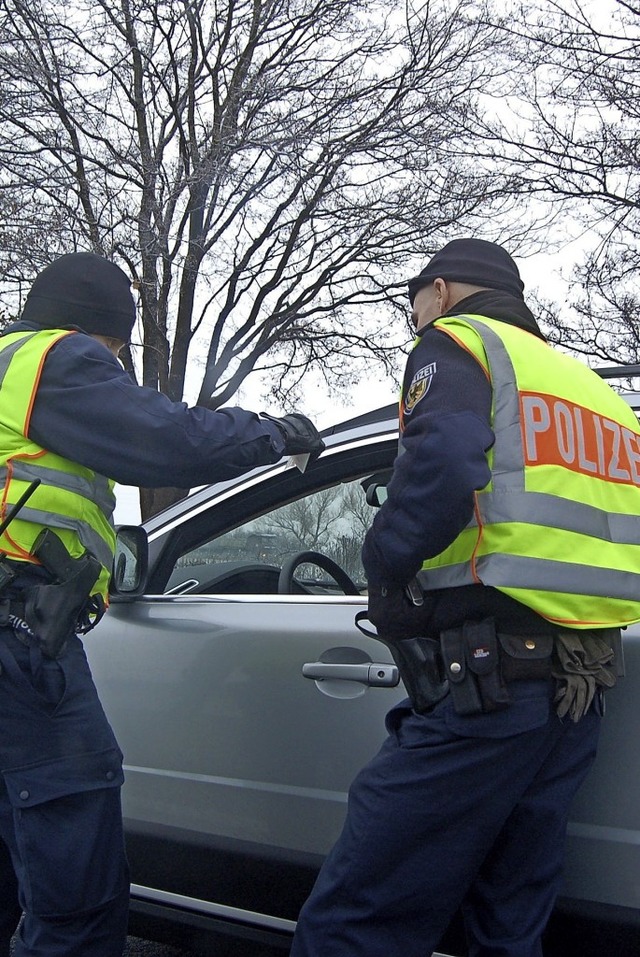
x,y
146,948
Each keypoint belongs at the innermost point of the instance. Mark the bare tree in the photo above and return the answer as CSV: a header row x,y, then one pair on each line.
x,y
266,169
353,503
308,521
572,137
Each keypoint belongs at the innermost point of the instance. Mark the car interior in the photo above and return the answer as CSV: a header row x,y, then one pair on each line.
x,y
309,545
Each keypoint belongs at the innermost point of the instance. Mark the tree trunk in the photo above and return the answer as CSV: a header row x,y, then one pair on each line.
x,y
153,500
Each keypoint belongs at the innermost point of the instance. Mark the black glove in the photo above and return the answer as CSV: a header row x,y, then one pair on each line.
x,y
394,615
583,663
299,433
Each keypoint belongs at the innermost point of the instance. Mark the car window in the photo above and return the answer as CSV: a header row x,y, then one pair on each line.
x,y
248,559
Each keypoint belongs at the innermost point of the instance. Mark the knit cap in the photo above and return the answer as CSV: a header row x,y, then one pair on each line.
x,y
474,261
84,290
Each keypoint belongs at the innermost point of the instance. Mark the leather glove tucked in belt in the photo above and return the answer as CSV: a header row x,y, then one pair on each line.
x,y
299,433
583,663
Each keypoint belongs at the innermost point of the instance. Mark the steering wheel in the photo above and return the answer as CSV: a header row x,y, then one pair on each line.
x,y
285,581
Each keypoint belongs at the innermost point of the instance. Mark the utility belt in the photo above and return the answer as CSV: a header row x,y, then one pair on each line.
x,y
475,663
52,611
479,663
55,610
12,615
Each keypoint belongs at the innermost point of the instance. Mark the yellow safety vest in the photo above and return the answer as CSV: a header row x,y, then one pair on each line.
x,y
74,501
558,525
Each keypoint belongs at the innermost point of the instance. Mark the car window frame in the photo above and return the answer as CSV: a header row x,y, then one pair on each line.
x,y
257,495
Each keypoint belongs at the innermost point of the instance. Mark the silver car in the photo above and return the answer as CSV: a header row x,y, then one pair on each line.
x,y
245,701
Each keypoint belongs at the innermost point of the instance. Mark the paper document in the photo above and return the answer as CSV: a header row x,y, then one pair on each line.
x,y
300,461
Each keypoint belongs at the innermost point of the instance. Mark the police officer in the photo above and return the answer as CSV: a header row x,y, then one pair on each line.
x,y
500,570
70,416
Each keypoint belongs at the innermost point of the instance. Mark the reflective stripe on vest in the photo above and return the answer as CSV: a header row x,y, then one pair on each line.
x,y
73,500
558,525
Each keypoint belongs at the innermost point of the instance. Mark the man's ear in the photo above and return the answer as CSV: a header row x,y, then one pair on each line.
x,y
113,345
442,294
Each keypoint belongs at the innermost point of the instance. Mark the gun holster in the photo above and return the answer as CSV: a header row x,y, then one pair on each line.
x,y
472,665
53,611
419,661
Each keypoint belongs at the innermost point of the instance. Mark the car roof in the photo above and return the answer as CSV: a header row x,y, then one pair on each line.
x,y
624,374
375,416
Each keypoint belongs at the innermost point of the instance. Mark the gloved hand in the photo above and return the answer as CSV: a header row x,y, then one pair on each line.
x,y
393,614
581,666
299,433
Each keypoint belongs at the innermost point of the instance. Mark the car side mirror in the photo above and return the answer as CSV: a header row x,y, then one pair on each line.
x,y
130,563
376,495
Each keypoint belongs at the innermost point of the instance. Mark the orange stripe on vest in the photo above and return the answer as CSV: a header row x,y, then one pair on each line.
x,y
558,432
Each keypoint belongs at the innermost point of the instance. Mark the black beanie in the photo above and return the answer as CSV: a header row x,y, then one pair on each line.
x,y
84,290
474,261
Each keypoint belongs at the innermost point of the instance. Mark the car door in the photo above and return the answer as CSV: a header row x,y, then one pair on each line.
x,y
231,751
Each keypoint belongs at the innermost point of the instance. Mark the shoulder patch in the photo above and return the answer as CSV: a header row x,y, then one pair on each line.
x,y
419,387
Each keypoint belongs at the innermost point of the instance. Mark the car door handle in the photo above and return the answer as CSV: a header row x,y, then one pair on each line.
x,y
368,673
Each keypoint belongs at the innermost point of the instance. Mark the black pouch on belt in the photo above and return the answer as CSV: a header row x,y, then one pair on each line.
x,y
526,656
472,665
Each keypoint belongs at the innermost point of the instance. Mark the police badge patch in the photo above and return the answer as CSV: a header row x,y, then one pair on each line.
x,y
419,387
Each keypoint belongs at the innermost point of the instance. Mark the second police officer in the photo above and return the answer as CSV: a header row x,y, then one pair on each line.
x,y
501,568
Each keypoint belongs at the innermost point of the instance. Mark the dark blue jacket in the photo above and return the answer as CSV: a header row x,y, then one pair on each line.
x,y
442,463
89,410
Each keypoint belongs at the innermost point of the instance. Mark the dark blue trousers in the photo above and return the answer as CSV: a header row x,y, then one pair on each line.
x,y
62,859
453,812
